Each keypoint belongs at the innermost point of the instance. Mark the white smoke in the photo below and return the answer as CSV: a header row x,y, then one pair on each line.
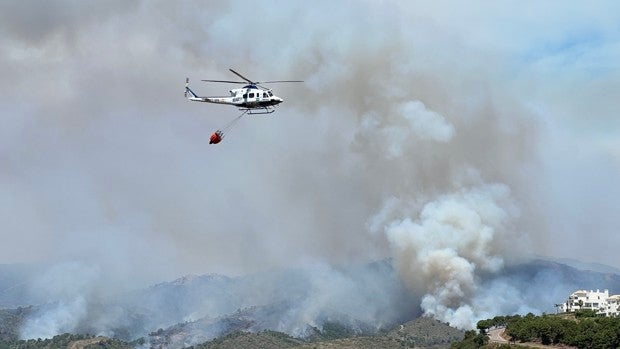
x,y
425,123
74,300
456,238
106,163
56,318
410,120
69,285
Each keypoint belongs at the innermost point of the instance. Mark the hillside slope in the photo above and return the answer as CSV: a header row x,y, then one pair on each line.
x,y
419,333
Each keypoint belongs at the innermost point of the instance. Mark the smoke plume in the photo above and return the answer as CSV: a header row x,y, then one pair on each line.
x,y
456,238
452,141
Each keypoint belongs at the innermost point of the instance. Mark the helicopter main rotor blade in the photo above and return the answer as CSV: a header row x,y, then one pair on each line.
x,y
241,76
226,81
276,81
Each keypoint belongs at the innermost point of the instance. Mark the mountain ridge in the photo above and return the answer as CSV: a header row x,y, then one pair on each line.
x,y
196,308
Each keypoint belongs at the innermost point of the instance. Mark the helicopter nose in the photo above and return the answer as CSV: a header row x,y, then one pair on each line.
x,y
278,100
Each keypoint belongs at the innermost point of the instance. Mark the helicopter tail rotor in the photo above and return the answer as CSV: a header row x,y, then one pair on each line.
x,y
189,94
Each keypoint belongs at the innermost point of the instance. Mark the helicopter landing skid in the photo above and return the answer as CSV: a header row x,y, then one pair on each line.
x,y
257,111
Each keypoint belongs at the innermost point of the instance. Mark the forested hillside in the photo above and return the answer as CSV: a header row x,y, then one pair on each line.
x,y
583,330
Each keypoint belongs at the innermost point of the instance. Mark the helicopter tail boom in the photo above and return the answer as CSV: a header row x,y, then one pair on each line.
x,y
191,96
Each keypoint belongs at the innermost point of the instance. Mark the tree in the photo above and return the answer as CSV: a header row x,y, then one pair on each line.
x,y
585,313
483,325
472,340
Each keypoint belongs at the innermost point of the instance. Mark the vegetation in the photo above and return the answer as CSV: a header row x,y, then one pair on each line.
x,y
583,313
472,340
238,339
426,332
66,340
110,343
585,330
335,330
10,321
420,333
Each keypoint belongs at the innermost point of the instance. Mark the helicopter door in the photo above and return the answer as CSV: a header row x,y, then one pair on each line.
x,y
245,96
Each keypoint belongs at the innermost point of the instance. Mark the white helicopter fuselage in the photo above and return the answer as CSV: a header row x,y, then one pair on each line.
x,y
252,98
248,97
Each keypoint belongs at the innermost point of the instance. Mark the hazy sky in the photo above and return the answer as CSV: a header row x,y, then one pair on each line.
x,y
103,161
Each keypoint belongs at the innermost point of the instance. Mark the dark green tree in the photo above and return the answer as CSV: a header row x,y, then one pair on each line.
x,y
472,340
483,325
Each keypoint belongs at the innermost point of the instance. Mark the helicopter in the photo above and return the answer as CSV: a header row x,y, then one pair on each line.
x,y
253,98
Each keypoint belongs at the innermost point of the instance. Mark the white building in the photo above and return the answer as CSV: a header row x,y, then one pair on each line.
x,y
613,306
601,302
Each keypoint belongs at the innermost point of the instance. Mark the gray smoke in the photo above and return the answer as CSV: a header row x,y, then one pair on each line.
x,y
455,140
456,238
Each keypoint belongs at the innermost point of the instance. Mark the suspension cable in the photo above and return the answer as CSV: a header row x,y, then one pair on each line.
x,y
232,123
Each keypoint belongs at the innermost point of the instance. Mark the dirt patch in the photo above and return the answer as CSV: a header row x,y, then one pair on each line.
x,y
84,342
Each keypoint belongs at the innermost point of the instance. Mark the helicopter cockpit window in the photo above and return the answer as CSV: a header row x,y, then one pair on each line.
x,y
270,94
251,95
